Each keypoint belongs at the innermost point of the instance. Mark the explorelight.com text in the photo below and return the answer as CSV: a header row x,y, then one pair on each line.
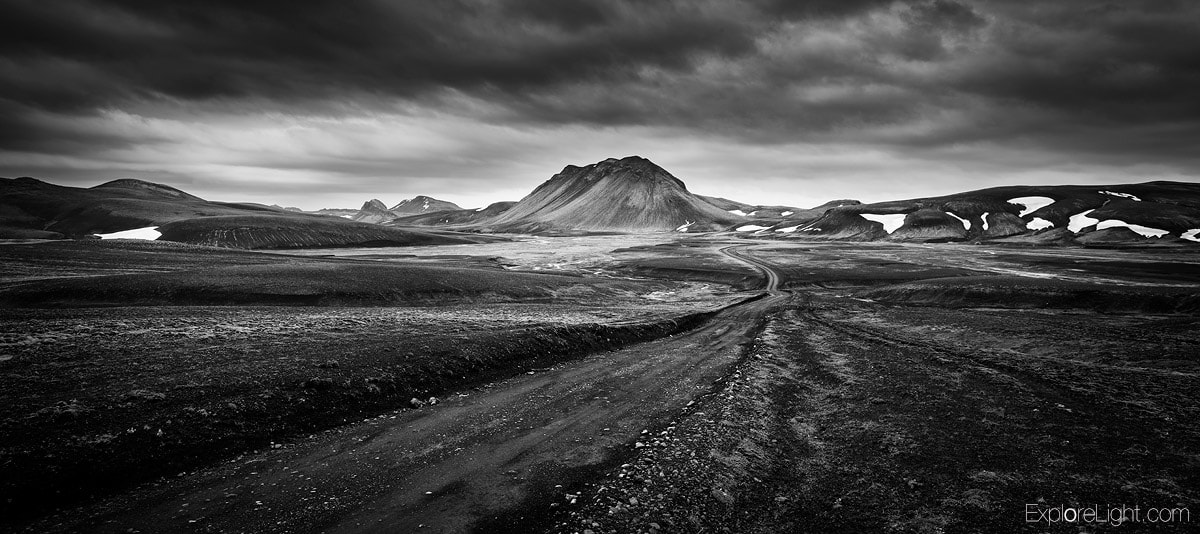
x,y
1105,514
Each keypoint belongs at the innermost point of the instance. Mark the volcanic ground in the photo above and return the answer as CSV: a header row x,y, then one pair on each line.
x,y
650,383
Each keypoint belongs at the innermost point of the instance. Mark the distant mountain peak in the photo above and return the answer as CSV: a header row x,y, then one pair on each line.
x,y
423,204
374,205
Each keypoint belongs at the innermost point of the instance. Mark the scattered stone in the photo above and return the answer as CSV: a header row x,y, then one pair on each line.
x,y
319,383
144,394
432,401
331,364
416,403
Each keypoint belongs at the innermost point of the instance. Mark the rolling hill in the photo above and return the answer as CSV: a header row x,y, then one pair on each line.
x,y
1019,214
33,209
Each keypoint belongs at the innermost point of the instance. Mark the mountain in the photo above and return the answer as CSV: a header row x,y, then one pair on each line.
x,y
615,195
1025,214
346,213
422,204
455,218
373,211
31,208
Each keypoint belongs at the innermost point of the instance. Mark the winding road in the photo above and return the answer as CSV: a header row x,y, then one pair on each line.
x,y
768,271
502,458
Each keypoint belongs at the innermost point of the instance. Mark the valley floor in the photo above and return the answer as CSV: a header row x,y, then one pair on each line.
x,y
876,388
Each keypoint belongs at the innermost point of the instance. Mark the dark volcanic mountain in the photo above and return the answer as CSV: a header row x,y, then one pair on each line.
x,y
31,208
615,195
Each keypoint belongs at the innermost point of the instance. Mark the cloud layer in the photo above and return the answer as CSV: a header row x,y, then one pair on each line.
x,y
236,97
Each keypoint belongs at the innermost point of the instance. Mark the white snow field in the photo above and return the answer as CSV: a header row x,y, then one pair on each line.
x,y
1124,195
890,222
1079,221
149,233
966,223
1039,223
1144,231
1031,204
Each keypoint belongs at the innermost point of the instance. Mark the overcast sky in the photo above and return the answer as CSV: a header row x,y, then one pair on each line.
x,y
327,104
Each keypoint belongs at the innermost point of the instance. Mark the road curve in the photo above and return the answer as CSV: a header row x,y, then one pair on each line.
x,y
771,276
498,459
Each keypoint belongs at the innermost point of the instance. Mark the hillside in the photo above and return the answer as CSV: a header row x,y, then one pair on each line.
x,y
1021,214
33,209
626,195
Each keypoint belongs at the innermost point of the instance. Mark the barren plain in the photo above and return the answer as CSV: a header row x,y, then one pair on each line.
x,y
655,383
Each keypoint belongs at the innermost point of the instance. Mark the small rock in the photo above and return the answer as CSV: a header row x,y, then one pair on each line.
x,y
319,383
633,501
416,403
330,364
432,401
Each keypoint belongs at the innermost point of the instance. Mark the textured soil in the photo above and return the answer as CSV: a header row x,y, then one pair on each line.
x,y
824,407
853,417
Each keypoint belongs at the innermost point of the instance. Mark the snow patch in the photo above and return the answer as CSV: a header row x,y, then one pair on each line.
x,y
481,209
753,213
1031,204
788,230
890,222
1192,235
984,217
1079,221
751,228
684,227
966,223
738,212
786,213
1144,231
150,233
1123,195
1038,223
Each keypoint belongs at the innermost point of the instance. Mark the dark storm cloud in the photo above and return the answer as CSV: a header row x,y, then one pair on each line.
x,y
101,53
908,75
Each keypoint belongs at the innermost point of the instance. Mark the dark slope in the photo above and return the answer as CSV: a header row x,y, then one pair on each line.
x,y
627,195
31,204
840,225
276,232
31,208
455,218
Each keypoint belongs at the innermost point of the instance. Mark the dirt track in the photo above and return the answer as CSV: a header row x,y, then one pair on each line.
x,y
503,458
